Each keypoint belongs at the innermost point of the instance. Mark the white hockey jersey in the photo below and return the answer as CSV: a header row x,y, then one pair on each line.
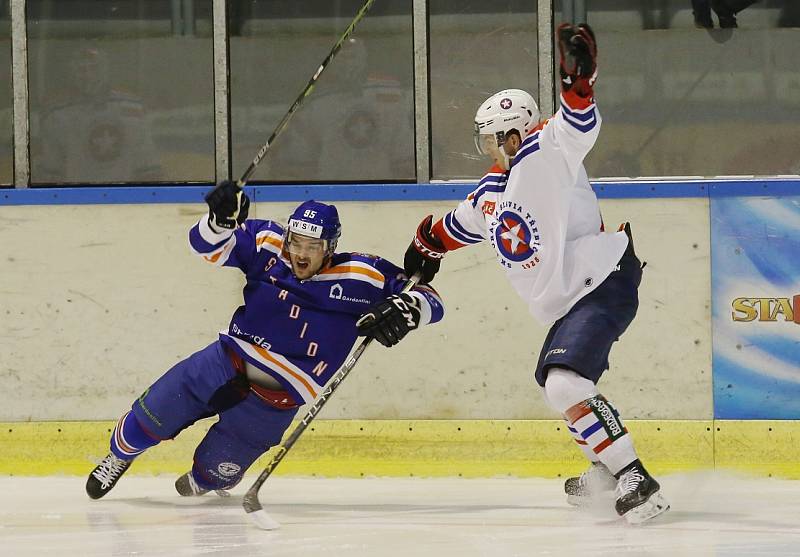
x,y
542,217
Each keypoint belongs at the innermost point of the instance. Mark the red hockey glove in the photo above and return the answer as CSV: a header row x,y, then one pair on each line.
x,y
425,252
578,65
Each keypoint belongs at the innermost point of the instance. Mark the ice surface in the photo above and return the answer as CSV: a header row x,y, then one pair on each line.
x,y
712,515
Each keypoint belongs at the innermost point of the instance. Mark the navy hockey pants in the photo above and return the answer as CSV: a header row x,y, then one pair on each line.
x,y
203,385
582,339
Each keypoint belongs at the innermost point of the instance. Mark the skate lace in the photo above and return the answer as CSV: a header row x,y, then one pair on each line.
x,y
109,470
629,482
196,489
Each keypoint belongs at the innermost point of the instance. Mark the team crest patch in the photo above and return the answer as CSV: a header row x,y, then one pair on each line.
x,y
228,469
515,235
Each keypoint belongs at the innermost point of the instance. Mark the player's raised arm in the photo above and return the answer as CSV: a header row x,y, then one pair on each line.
x,y
221,237
576,124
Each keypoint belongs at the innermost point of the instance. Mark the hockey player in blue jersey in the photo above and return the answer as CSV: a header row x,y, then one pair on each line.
x,y
302,302
538,211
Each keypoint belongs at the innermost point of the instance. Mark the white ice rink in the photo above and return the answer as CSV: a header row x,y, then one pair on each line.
x,y
712,515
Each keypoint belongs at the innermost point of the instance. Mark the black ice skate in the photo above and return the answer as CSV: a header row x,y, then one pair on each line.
x,y
104,477
593,482
638,496
187,487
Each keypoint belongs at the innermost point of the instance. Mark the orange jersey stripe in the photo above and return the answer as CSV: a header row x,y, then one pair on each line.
x,y
213,258
266,355
269,240
352,269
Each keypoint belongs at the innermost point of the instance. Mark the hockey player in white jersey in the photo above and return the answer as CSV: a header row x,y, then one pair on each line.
x,y
539,213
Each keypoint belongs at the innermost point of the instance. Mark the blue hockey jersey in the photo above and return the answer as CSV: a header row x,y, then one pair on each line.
x,y
299,331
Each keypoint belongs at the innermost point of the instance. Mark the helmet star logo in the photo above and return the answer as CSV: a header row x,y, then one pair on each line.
x,y
505,104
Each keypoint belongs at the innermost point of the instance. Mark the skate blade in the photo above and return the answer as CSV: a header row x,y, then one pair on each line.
x,y
651,508
262,520
577,500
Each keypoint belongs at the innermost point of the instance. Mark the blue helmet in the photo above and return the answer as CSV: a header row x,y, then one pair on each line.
x,y
315,220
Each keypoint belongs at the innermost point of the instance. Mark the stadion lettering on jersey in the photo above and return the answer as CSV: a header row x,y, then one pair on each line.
x,y
514,236
746,310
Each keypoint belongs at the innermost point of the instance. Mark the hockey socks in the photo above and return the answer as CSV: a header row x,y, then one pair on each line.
x,y
129,438
597,427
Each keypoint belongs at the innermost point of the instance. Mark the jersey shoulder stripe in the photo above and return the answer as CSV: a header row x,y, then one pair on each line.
x,y
354,270
528,149
269,240
489,183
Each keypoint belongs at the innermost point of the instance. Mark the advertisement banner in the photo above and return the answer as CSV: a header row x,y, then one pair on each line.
x,y
755,275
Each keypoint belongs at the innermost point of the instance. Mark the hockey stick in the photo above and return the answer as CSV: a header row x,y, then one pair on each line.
x,y
251,504
308,88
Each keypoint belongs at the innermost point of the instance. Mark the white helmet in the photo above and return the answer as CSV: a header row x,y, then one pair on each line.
x,y
510,109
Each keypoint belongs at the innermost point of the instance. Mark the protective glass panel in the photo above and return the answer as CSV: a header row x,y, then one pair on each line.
x,y
681,99
476,49
121,91
358,122
6,116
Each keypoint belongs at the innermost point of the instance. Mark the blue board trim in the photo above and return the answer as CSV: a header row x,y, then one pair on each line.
x,y
189,193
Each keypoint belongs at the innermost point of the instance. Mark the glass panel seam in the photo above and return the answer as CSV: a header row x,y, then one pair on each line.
x,y
19,79
222,104
421,91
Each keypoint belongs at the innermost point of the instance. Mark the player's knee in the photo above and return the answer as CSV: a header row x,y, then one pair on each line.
x,y
564,388
217,475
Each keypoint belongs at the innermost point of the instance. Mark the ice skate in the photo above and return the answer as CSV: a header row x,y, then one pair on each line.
x,y
591,483
105,475
187,487
638,495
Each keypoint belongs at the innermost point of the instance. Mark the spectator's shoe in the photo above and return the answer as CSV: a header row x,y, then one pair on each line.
x,y
187,487
638,496
105,475
591,483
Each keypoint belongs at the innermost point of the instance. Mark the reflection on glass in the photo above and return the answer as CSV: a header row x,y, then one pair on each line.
x,y
476,49
121,91
6,96
681,99
358,122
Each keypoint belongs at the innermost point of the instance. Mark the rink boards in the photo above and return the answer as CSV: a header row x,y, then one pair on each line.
x,y
100,297
429,448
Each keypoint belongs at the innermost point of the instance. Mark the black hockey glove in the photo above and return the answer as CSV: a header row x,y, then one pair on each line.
x,y
389,320
425,252
578,64
228,205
